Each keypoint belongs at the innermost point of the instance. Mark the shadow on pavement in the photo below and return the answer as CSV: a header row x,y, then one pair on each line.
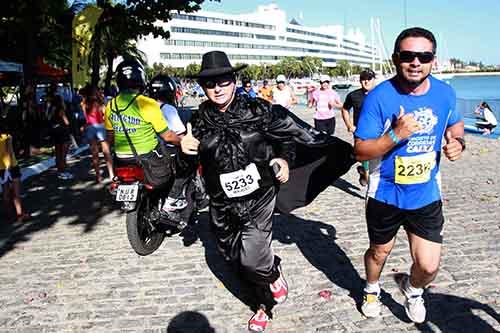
x,y
190,322
456,314
79,202
316,241
348,188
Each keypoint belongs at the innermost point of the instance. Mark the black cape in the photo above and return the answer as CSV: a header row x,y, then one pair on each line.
x,y
315,168
316,159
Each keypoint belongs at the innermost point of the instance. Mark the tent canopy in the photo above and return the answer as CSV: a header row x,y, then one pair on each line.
x,y
6,66
11,73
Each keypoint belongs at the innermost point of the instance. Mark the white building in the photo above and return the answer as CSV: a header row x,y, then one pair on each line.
x,y
264,36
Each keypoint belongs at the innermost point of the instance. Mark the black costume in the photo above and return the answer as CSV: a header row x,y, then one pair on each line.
x,y
251,131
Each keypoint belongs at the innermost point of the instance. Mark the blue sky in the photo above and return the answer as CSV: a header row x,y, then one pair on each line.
x,y
465,29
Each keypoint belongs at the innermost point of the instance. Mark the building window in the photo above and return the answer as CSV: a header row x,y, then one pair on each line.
x,y
221,33
221,21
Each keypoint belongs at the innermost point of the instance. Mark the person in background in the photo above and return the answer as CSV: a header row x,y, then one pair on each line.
x,y
283,94
237,140
10,178
95,133
141,116
405,124
266,91
354,100
487,120
60,133
246,88
163,89
325,100
310,90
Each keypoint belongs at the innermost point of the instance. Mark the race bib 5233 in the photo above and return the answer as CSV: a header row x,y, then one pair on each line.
x,y
241,182
414,169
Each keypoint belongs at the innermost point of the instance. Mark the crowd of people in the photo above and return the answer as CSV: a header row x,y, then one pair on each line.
x,y
245,140
401,128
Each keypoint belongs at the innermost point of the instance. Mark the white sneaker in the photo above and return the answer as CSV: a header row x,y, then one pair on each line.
x,y
62,175
414,304
371,306
68,175
172,204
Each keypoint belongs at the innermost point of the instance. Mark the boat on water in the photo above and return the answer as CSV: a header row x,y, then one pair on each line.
x,y
342,85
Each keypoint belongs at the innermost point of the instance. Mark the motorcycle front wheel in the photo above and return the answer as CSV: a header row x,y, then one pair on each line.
x,y
142,231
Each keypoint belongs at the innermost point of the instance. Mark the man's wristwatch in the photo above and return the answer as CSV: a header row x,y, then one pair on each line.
x,y
461,140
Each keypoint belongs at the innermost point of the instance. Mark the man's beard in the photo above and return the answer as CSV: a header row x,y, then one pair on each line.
x,y
409,83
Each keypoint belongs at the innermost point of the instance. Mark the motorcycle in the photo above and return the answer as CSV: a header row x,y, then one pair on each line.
x,y
147,223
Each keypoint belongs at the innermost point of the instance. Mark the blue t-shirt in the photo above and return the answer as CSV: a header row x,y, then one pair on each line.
x,y
408,175
242,91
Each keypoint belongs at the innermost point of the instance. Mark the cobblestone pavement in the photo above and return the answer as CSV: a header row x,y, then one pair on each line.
x,y
71,269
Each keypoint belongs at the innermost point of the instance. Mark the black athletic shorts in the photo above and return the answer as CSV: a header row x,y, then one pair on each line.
x,y
60,135
325,125
384,220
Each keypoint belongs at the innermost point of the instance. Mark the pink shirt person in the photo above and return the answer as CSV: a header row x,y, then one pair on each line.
x,y
95,116
325,101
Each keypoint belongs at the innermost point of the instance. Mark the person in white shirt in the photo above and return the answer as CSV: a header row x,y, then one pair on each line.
x,y
283,94
487,120
163,88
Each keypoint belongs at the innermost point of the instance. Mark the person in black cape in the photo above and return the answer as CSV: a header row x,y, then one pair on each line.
x,y
246,147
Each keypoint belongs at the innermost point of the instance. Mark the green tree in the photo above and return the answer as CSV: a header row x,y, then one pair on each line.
x,y
131,20
253,72
311,66
192,69
289,66
37,29
343,68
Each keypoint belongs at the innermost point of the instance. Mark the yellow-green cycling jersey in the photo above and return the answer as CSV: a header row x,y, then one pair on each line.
x,y
143,120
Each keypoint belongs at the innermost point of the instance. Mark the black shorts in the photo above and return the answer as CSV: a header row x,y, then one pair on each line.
x,y
60,135
384,220
325,125
15,172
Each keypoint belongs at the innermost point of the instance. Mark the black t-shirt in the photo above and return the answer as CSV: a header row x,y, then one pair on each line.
x,y
354,100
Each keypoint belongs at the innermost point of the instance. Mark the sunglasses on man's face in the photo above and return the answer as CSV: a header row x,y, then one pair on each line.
x,y
248,86
222,82
409,56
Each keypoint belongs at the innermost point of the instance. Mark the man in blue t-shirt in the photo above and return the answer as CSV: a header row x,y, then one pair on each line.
x,y
246,89
405,123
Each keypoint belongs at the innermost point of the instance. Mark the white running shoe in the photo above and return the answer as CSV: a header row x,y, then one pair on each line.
x,y
68,175
414,304
371,306
63,176
172,204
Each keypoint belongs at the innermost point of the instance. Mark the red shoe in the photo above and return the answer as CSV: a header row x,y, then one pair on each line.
x,y
279,288
258,322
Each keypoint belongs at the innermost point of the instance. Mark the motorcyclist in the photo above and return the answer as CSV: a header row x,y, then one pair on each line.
x,y
141,115
163,89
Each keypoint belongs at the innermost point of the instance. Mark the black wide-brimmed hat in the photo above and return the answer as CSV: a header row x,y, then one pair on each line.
x,y
216,63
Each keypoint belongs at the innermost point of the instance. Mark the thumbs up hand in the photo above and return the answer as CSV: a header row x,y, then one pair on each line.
x,y
189,144
452,149
406,124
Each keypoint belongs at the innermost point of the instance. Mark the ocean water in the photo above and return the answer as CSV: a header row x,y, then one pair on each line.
x,y
471,90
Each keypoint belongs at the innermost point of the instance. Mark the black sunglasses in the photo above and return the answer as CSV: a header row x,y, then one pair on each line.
x,y
409,56
222,82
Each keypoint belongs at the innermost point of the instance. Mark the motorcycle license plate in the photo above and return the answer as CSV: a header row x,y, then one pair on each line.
x,y
127,193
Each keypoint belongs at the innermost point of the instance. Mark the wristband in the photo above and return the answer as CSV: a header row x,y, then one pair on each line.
x,y
393,136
